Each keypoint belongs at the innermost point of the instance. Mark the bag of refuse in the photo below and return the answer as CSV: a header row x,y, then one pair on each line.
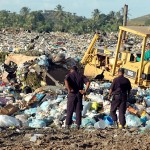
x,y
43,61
148,122
40,96
147,100
147,127
100,125
86,107
8,121
94,106
35,123
88,122
45,106
143,119
95,97
147,91
148,110
133,121
141,92
53,112
23,118
30,111
108,120
105,85
94,85
59,99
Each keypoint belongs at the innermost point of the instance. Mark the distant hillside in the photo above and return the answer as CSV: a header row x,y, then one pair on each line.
x,y
60,20
140,20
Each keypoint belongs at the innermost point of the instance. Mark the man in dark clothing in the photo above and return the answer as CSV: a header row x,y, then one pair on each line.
x,y
74,83
120,90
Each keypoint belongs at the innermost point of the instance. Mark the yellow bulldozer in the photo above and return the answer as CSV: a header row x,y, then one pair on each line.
x,y
97,60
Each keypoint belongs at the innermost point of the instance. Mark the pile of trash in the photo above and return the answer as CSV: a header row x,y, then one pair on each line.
x,y
53,43
27,100
46,106
57,43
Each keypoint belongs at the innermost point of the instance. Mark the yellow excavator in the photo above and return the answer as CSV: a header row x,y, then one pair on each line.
x,y
98,61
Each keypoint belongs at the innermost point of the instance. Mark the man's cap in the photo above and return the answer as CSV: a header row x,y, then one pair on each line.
x,y
74,67
121,70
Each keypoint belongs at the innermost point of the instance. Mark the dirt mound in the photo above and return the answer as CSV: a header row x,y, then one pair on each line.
x,y
53,139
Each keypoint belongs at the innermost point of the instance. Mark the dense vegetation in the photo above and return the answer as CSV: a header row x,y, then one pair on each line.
x,y
59,20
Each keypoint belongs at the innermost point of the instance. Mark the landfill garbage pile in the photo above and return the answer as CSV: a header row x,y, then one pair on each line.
x,y
46,107
65,44
29,100
54,51
26,97
53,43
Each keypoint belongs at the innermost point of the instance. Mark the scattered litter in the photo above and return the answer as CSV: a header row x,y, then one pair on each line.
x,y
32,92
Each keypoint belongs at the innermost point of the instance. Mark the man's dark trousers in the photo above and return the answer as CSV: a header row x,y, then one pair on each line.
x,y
119,102
74,104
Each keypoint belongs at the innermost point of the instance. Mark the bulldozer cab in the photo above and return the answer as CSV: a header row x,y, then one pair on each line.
x,y
96,60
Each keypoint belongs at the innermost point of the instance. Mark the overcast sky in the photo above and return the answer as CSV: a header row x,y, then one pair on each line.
x,y
81,7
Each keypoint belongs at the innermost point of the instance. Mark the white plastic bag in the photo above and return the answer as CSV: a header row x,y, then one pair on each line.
x,y
8,121
100,125
28,97
86,107
95,97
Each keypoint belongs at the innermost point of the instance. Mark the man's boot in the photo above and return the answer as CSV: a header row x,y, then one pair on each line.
x,y
78,127
122,127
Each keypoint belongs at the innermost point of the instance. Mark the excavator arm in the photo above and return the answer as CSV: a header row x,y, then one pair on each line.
x,y
89,51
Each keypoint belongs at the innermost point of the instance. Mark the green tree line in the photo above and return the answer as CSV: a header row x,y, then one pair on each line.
x,y
60,20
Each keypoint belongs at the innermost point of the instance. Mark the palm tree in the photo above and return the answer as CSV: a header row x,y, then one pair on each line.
x,y
24,11
96,14
112,14
59,8
59,12
119,17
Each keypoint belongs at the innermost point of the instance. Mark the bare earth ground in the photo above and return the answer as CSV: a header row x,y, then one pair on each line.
x,y
58,139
